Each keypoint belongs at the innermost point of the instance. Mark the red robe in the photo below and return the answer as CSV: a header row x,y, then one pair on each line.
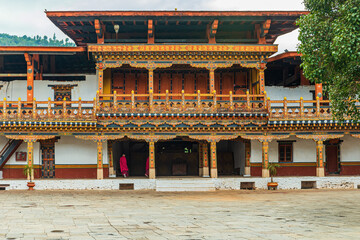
x,y
123,166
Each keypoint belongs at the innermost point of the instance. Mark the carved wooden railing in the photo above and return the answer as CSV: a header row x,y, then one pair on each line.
x,y
180,103
47,110
299,109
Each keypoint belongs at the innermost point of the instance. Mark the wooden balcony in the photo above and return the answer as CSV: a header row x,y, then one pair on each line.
x,y
47,110
165,104
184,103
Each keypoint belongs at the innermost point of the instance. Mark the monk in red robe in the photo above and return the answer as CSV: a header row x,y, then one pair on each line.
x,y
147,168
123,166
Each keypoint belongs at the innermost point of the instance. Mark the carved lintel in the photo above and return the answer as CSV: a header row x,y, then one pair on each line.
x,y
100,138
213,138
265,138
357,135
151,137
30,138
319,137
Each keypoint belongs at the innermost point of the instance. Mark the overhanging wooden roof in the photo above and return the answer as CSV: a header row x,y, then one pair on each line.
x,y
175,26
40,50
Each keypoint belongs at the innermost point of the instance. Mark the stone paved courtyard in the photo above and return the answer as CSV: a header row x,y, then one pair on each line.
x,y
260,214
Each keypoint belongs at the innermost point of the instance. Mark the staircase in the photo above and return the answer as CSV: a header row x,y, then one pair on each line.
x,y
184,185
10,147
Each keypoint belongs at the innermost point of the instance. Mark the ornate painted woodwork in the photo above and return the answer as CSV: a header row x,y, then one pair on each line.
x,y
48,158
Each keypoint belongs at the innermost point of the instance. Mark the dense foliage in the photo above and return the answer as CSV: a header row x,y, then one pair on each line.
x,y
11,40
330,46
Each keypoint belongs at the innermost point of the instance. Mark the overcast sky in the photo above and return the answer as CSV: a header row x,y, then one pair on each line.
x,y
20,17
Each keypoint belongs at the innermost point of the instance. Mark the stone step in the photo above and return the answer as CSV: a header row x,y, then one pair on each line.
x,y
184,185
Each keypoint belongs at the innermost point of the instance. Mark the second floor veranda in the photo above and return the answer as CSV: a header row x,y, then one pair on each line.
x,y
167,105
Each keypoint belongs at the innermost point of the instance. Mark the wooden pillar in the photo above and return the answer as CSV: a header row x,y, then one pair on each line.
x,y
30,77
101,79
213,159
320,170
261,80
200,159
100,170
111,159
265,158
212,80
30,155
319,91
152,173
205,159
151,80
247,158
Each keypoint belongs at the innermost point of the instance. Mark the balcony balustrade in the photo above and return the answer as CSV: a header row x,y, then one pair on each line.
x,y
180,103
164,103
47,110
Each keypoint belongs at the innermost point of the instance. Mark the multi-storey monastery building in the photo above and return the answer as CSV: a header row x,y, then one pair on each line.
x,y
195,91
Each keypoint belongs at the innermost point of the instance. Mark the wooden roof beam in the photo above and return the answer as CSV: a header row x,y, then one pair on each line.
x,y
211,31
262,30
151,35
99,30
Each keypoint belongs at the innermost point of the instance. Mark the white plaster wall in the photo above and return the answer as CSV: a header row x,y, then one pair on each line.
x,y
291,93
70,150
350,149
22,148
303,150
14,89
256,151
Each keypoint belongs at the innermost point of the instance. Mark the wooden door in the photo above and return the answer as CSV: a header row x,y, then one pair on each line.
x,y
48,158
118,82
332,158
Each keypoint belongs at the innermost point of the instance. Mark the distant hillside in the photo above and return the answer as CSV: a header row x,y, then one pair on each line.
x,y
12,40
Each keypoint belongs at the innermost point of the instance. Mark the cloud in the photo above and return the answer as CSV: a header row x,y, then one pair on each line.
x,y
20,17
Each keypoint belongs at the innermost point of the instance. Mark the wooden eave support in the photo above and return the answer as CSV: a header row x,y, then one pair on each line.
x,y
99,30
262,31
29,76
151,35
211,31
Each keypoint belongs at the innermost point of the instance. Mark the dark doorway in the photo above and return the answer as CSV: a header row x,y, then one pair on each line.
x,y
135,152
230,157
48,158
177,158
333,156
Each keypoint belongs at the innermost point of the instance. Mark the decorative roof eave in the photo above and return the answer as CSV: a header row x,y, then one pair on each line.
x,y
179,52
40,50
284,55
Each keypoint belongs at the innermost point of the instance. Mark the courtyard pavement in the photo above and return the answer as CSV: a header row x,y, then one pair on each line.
x,y
260,214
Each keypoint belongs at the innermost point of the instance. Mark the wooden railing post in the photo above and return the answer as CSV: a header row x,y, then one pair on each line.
x,y
285,107
4,109
151,98
64,108
248,101
231,101
115,106
79,108
34,108
317,106
49,108
167,100
269,107
265,100
214,101
301,107
182,100
95,108
199,100
19,109
96,101
132,101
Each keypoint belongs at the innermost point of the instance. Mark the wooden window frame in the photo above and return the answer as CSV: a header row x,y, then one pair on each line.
x,y
284,144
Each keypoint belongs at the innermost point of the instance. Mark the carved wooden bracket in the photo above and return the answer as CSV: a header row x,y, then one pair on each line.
x,y
265,138
320,137
30,138
100,138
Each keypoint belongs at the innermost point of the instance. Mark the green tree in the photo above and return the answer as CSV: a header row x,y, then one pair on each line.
x,y
330,47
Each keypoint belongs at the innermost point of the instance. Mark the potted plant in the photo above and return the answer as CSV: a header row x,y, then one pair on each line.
x,y
29,173
272,167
